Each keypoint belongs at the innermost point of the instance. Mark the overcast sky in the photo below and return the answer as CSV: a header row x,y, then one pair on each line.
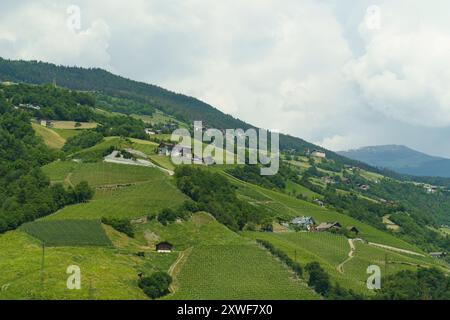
x,y
339,73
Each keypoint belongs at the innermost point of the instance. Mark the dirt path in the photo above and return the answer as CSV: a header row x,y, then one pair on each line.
x,y
67,180
175,268
340,268
395,249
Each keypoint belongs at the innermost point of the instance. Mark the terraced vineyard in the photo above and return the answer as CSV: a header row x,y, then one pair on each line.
x,y
288,207
64,233
130,202
332,251
231,272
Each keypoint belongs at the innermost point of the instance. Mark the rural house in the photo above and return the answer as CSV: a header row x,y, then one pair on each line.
x,y
318,154
165,148
364,187
164,247
46,123
319,202
327,226
353,229
438,254
149,131
179,151
303,222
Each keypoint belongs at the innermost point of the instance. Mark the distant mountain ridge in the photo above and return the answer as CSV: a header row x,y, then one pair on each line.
x,y
401,159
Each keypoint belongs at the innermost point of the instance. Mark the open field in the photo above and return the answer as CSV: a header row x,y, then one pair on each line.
x,y
284,205
71,125
100,173
130,202
243,271
332,250
200,229
106,273
297,189
67,133
50,137
162,161
65,233
98,150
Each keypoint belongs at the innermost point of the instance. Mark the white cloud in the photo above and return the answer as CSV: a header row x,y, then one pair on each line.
x,y
405,72
309,68
39,31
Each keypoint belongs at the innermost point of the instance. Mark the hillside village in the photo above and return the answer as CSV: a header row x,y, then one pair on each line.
x,y
148,222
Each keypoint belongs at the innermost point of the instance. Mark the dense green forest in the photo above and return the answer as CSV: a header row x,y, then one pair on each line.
x,y
423,284
215,194
54,103
25,192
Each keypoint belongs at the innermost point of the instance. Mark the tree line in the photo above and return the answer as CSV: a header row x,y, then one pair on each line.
x,y
25,192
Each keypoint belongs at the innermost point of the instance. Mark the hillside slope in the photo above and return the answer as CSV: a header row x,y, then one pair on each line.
x,y
402,160
184,108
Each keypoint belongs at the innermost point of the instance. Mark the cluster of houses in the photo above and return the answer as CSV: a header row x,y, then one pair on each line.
x,y
161,129
170,149
308,224
438,254
28,106
430,189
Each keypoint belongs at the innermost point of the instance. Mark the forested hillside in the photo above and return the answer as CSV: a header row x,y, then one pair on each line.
x,y
25,192
187,109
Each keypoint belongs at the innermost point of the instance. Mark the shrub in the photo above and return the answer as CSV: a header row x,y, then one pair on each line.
x,y
121,225
157,285
167,216
318,278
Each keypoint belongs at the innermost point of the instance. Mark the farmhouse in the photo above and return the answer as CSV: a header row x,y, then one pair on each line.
x,y
165,148
326,226
46,123
364,187
438,254
149,131
353,229
179,151
318,154
303,222
164,247
319,202
29,106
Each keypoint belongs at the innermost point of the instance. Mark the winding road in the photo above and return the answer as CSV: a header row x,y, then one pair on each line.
x,y
340,268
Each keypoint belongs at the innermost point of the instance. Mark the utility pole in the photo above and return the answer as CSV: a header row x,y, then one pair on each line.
x,y
91,290
42,264
385,264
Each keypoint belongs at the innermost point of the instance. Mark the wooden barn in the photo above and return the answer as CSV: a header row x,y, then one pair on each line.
x,y
164,247
327,226
353,229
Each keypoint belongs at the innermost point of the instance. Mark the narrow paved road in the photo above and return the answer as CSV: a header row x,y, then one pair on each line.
x,y
395,249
